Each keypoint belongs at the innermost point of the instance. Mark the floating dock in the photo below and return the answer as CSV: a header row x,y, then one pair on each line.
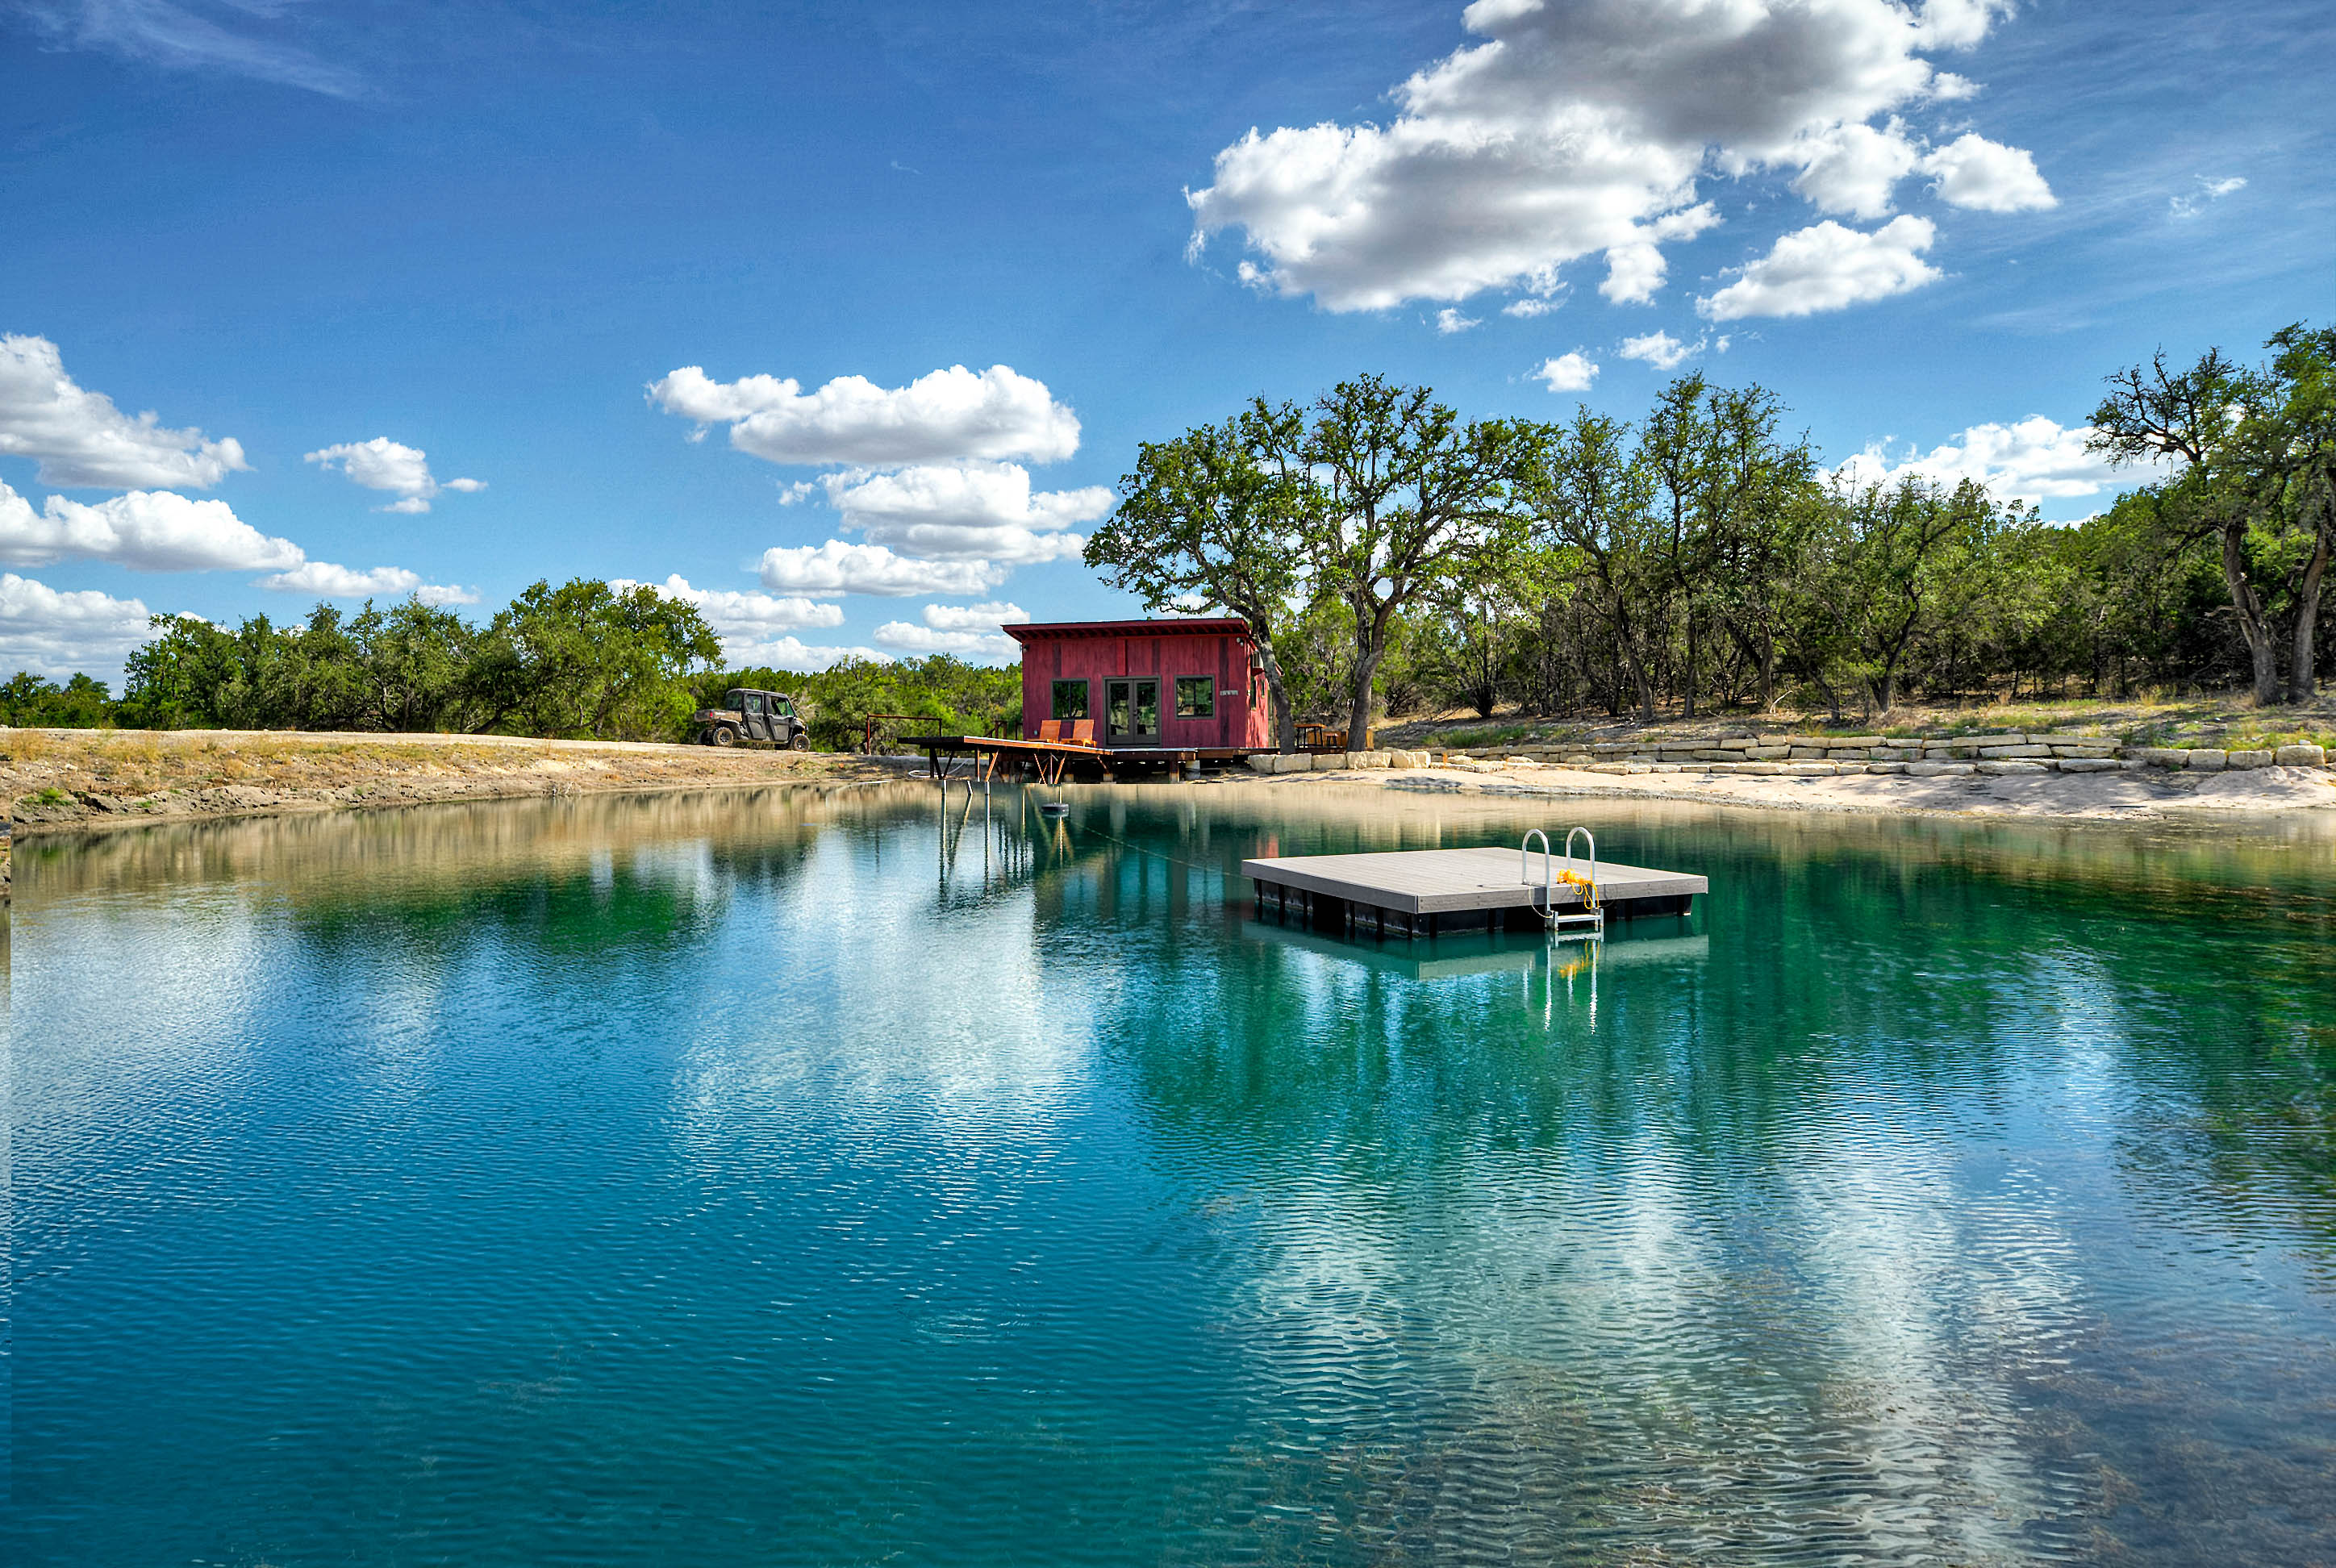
x,y
1421,893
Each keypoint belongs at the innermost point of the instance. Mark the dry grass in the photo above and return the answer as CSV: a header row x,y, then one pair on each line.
x,y
62,778
2230,720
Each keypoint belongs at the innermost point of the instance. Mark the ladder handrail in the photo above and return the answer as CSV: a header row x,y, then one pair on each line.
x,y
1589,891
1548,869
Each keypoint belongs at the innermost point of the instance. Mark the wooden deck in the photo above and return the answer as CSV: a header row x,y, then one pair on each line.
x,y
1419,893
1048,760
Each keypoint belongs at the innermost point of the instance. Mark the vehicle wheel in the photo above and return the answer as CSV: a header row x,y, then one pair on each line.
x,y
801,743
725,735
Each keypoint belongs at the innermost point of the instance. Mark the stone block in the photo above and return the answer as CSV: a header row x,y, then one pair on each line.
x,y
1894,753
1853,742
2000,752
2303,755
2011,765
1937,769
1762,769
2091,764
1812,769
1885,767
1848,753
1806,753
2207,759
2249,758
1663,767
2159,756
2084,748
1769,753
1373,759
1715,754
1263,762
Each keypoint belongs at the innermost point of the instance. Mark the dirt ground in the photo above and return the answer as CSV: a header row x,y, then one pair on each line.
x,y
76,780
2149,792
56,780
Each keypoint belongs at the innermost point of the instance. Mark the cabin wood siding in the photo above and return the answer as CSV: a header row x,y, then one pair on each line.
x,y
1160,655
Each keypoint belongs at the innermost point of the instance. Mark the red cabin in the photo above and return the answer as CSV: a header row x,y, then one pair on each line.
x,y
1181,684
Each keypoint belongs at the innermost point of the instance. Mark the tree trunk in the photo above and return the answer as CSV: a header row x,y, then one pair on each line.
x,y
1689,712
1285,722
1358,715
2248,605
2302,680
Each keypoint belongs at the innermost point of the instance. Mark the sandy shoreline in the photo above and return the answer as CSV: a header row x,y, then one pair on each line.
x,y
79,780
2126,796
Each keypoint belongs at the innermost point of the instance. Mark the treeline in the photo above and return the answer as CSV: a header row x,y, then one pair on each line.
x,y
1395,558
582,660
938,693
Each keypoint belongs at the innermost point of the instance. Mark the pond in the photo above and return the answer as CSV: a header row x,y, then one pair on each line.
x,y
822,1177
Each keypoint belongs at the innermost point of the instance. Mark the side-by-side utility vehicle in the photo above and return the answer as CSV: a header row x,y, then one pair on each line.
x,y
748,718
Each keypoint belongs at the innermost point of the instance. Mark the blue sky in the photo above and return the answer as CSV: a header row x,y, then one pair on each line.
x,y
350,254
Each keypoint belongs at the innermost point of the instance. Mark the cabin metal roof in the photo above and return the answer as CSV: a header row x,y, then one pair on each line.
x,y
1187,625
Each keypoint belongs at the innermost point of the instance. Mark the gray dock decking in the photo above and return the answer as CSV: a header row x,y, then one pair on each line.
x,y
1425,891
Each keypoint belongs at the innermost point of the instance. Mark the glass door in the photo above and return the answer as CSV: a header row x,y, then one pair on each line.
x,y
1131,712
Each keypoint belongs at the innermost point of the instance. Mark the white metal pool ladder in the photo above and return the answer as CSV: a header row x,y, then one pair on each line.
x,y
1591,916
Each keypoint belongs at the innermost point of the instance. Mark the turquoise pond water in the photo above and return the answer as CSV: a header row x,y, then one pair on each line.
x,y
807,1177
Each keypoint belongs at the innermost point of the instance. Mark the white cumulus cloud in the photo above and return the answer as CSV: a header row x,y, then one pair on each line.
x,y
965,511
325,581
54,634
744,617
975,617
1579,127
1661,350
792,653
1854,167
1531,306
2032,460
146,531
156,530
82,440
382,463
956,413
980,647
1567,373
1449,321
1972,171
840,567
1826,267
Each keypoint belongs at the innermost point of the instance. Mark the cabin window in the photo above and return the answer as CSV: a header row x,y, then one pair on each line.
x,y
1070,699
1196,696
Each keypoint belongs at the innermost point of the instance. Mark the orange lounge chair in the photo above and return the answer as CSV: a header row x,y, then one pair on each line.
x,y
1050,729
